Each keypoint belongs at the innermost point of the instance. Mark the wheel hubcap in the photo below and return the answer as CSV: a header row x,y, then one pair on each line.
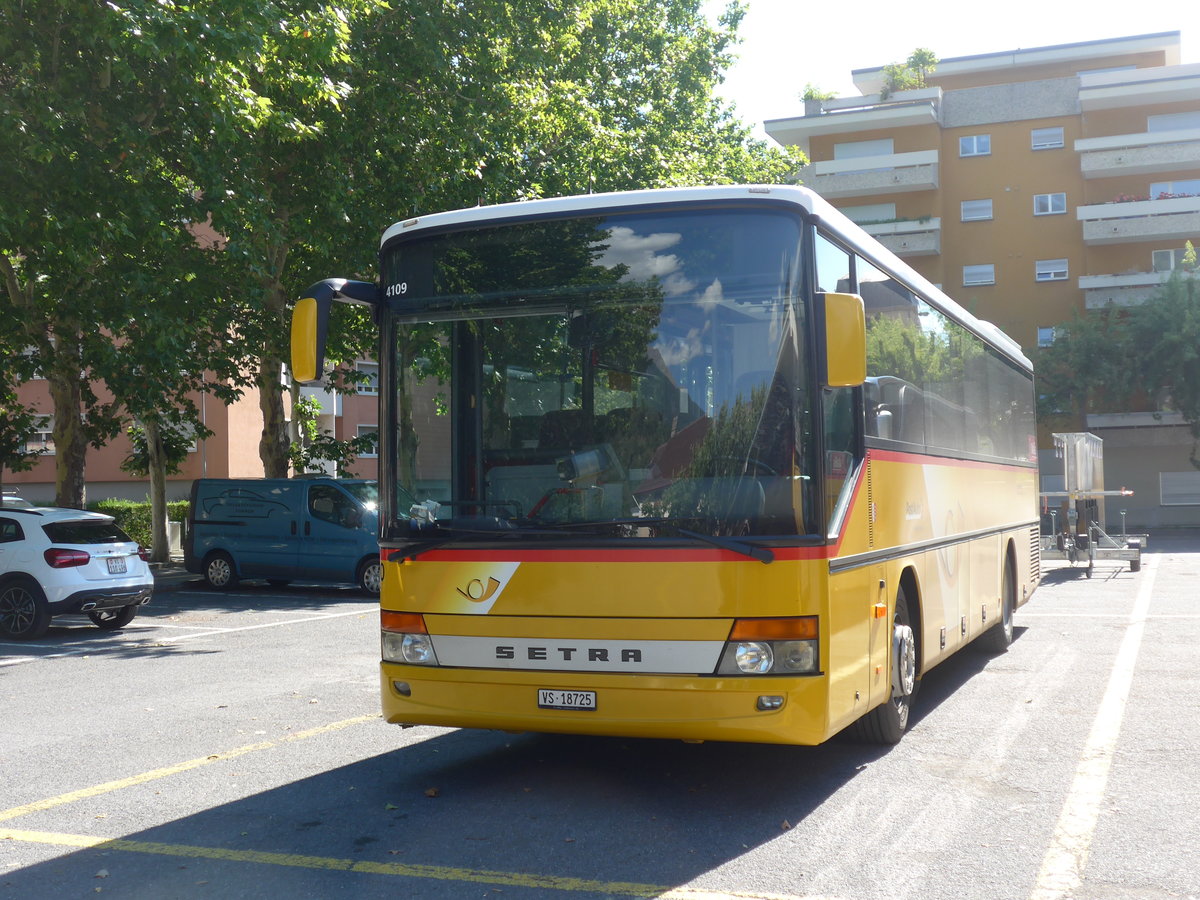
x,y
16,610
373,578
904,654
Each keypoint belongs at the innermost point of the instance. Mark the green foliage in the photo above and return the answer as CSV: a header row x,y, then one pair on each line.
x,y
176,446
911,74
134,517
295,131
1145,356
317,445
812,92
16,424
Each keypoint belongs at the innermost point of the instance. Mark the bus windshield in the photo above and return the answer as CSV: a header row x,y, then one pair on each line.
x,y
632,372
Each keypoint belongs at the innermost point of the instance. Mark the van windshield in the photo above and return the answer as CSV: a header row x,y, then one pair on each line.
x,y
365,492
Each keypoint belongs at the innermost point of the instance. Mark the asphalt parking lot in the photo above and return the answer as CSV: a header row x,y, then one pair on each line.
x,y
229,745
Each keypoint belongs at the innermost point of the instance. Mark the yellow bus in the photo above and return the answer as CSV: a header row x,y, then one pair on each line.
x,y
721,467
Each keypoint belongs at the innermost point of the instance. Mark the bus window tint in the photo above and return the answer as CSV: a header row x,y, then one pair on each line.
x,y
933,384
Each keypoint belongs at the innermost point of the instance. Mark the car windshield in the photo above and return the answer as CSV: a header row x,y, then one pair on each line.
x,y
82,532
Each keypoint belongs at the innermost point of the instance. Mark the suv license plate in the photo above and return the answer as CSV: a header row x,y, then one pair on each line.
x,y
116,565
559,699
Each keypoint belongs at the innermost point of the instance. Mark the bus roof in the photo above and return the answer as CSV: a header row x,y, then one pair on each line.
x,y
847,230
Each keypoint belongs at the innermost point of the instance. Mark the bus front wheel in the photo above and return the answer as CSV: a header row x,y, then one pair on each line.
x,y
886,723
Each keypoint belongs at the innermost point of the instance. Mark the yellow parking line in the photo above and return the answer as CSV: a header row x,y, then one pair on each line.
x,y
155,774
403,870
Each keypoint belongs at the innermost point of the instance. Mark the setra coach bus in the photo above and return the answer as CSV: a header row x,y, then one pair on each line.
x,y
722,467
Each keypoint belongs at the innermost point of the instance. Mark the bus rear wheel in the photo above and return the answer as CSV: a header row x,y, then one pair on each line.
x,y
886,723
997,638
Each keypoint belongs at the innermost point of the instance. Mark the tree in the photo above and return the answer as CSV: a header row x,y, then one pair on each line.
x,y
103,107
1142,356
911,74
16,423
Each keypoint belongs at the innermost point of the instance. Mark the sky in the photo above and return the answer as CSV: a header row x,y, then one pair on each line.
x,y
787,44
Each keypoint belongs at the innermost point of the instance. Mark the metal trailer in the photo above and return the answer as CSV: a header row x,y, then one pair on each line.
x,y
1082,537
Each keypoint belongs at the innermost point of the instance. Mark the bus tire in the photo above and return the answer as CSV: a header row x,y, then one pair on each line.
x,y
886,723
997,638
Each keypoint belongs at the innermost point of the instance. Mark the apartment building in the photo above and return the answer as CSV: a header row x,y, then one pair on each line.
x,y
1031,184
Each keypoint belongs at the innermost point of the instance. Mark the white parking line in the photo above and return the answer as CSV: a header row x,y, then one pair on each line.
x,y
145,626
1062,867
212,631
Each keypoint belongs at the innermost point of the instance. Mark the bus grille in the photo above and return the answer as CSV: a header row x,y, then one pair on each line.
x,y
1035,554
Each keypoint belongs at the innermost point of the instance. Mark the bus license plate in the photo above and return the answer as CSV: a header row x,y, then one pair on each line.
x,y
116,565
559,699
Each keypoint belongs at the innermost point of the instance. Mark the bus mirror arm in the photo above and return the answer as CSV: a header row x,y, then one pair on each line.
x,y
310,321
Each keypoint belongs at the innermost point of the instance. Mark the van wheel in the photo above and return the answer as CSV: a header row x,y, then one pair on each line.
x,y
886,723
370,575
24,614
219,572
108,619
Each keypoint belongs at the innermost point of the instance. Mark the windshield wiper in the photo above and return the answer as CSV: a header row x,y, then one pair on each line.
x,y
435,534
754,551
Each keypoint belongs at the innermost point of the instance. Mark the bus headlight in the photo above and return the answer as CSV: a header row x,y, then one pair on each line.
x,y
753,657
405,640
786,646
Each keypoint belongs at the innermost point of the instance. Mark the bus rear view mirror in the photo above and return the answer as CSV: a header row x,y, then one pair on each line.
x,y
844,345
310,322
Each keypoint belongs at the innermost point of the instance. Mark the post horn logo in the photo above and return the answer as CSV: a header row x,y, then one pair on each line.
x,y
478,592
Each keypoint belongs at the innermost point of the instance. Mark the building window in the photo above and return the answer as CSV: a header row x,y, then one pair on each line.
x,y
1049,204
1046,336
41,440
985,274
370,387
1050,270
1179,488
1184,121
867,215
860,149
1164,190
975,145
976,210
1167,260
369,429
1046,138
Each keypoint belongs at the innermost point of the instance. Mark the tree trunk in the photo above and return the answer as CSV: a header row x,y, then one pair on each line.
x,y
70,438
160,544
273,447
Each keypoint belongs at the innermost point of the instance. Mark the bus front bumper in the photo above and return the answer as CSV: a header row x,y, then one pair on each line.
x,y
668,706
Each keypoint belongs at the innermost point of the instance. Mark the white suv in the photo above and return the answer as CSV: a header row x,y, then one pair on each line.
x,y
59,561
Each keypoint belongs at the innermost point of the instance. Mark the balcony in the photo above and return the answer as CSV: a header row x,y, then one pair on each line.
x,y
866,176
915,238
1139,154
848,115
1137,88
1129,289
1170,219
